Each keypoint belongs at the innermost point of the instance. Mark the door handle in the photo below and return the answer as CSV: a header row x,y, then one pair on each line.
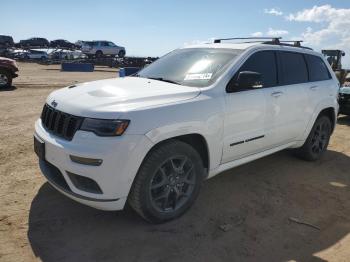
x,y
277,94
313,88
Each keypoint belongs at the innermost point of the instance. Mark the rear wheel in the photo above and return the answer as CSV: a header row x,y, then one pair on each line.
x,y
5,78
121,53
168,182
318,139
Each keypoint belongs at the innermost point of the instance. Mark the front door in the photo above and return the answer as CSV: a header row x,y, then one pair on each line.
x,y
245,114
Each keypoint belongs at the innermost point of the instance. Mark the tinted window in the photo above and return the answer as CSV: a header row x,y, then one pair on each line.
x,y
264,63
293,67
317,68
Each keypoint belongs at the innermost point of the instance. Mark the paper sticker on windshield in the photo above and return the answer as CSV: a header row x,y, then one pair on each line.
x,y
205,76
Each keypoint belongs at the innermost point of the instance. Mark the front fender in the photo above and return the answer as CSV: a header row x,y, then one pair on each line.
x,y
210,130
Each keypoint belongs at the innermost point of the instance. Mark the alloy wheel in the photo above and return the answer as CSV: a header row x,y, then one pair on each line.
x,y
172,184
320,138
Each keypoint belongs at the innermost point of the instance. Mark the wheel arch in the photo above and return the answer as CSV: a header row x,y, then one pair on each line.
x,y
326,107
196,140
331,113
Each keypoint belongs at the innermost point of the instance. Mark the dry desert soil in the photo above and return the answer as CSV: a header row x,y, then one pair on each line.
x,y
244,214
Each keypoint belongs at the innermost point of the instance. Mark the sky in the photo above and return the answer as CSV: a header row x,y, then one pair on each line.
x,y
153,28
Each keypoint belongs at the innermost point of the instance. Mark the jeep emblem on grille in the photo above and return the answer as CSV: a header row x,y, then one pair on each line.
x,y
54,103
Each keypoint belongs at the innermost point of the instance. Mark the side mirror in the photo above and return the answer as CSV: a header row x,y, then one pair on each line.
x,y
246,80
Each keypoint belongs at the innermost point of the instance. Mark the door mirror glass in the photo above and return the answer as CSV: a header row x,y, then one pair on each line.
x,y
246,80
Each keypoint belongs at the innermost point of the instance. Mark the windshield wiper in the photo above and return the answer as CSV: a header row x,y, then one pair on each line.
x,y
164,80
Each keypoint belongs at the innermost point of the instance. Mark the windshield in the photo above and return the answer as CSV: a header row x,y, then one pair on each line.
x,y
197,67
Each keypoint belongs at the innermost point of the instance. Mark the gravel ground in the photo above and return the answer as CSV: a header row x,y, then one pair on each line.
x,y
244,214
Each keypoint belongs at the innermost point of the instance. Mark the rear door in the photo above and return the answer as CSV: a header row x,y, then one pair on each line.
x,y
245,114
106,49
287,102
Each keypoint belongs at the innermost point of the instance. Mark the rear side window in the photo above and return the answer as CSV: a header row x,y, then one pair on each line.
x,y
318,70
293,68
263,62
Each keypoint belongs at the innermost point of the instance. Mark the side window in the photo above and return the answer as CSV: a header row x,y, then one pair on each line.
x,y
318,71
264,63
293,67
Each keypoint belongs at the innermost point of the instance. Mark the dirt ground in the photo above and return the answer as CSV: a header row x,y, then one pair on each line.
x,y
243,214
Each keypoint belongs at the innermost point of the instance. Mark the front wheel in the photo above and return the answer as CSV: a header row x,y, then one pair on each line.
x,y
318,139
168,182
99,54
5,79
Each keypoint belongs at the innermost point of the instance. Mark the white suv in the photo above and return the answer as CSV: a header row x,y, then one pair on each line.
x,y
151,139
102,48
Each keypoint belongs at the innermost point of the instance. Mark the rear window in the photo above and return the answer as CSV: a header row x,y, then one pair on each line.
x,y
293,67
318,70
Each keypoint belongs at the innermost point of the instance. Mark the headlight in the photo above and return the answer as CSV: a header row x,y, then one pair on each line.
x,y
105,127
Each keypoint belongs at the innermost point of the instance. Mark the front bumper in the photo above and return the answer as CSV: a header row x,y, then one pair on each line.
x,y
121,157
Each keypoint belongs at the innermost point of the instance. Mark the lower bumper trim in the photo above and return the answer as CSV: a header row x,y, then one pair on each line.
x,y
46,170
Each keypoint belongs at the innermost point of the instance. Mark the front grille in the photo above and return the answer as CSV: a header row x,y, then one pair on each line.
x,y
60,124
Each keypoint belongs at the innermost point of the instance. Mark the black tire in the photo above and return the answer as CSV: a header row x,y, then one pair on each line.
x,y
159,197
5,78
99,54
121,53
317,141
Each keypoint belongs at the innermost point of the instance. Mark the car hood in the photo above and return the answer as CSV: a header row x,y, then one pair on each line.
x,y
107,98
6,59
344,90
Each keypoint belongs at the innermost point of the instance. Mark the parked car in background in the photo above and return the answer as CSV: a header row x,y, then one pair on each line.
x,y
34,54
79,43
61,43
67,54
102,48
6,41
34,42
151,139
344,97
8,69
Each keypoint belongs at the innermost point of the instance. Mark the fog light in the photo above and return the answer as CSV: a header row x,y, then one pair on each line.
x,y
84,183
86,161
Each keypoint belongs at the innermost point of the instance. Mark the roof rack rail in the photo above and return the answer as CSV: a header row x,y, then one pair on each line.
x,y
273,39
295,43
